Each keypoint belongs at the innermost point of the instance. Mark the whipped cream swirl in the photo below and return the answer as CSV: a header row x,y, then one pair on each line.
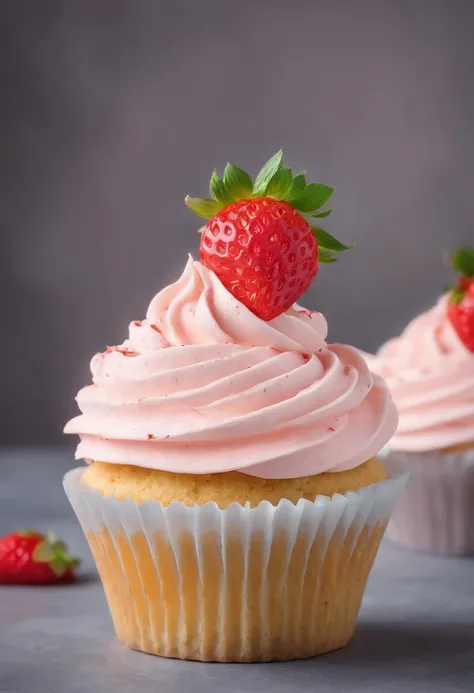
x,y
203,385
431,376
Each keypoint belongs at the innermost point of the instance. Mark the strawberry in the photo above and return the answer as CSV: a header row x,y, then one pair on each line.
x,y
461,298
259,239
31,558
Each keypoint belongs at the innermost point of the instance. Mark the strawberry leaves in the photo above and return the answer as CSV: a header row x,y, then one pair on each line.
x,y
276,181
238,182
462,260
296,188
321,215
54,552
329,242
266,174
313,197
219,190
279,184
328,245
202,207
456,295
325,256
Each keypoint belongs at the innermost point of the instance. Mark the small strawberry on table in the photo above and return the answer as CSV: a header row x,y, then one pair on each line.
x,y
32,558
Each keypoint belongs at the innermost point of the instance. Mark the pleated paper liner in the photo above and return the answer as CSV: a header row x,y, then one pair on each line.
x,y
240,584
436,510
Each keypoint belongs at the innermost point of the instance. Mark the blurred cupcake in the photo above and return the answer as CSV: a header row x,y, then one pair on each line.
x,y
233,503
430,372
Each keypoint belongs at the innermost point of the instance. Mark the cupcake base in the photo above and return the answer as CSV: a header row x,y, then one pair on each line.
x,y
240,584
436,511
257,608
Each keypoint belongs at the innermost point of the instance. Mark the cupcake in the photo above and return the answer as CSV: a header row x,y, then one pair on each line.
x,y
232,499
430,372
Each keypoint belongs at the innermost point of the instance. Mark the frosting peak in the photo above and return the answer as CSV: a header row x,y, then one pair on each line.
x,y
198,309
431,376
203,385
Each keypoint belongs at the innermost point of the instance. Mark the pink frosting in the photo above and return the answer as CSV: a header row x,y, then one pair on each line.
x,y
203,385
431,376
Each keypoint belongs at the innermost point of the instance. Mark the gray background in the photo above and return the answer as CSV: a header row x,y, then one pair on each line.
x,y
112,110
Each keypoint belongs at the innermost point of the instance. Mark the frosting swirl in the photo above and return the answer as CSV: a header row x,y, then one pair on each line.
x,y
203,385
431,376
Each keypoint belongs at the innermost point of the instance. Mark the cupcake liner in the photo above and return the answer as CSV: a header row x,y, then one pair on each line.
x,y
236,584
435,513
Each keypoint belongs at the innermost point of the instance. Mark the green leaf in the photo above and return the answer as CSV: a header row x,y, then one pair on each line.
x,y
59,547
456,295
237,182
203,207
43,552
325,240
279,183
54,552
325,255
463,261
321,215
267,173
219,191
297,187
314,196
59,566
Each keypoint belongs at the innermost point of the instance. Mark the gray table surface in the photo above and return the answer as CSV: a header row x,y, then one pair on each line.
x,y
415,630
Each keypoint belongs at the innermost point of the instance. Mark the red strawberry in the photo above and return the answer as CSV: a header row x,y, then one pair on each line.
x,y
461,299
31,558
258,240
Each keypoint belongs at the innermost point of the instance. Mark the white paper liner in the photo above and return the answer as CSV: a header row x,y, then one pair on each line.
x,y
435,512
295,542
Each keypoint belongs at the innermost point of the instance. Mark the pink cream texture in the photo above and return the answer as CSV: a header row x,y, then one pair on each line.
x,y
203,385
430,374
